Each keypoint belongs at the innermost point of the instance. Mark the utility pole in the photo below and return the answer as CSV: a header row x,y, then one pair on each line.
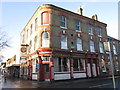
x,y
111,63
108,48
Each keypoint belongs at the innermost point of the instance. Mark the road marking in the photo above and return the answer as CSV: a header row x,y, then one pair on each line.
x,y
100,85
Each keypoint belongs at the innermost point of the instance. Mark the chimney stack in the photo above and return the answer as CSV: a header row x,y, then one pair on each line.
x,y
95,17
80,10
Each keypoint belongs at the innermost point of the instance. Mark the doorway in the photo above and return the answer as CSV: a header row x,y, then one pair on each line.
x,y
46,71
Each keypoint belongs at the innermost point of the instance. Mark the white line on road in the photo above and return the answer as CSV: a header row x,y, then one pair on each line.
x,y
100,85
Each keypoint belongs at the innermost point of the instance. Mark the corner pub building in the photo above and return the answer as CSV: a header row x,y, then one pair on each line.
x,y
59,44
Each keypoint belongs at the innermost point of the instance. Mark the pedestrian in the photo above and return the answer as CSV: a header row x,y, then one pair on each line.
x,y
5,76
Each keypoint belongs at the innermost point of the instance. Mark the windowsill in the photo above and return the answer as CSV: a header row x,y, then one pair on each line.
x,y
102,52
63,72
64,48
78,31
99,36
92,51
90,33
44,24
79,71
63,27
79,50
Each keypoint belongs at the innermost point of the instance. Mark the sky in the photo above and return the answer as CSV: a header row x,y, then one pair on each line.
x,y
15,15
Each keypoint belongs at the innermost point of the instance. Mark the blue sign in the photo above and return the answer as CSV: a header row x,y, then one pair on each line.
x,y
37,65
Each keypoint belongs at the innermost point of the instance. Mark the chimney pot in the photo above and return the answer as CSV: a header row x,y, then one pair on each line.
x,y
80,10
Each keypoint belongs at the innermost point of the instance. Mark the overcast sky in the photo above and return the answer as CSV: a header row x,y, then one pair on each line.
x,y
15,16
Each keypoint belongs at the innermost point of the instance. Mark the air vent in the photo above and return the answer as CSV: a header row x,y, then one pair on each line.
x,y
78,35
64,32
91,37
100,39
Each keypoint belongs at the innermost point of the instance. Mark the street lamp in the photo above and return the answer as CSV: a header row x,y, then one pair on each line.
x,y
108,47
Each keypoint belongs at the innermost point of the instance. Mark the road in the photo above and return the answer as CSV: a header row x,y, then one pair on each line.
x,y
80,83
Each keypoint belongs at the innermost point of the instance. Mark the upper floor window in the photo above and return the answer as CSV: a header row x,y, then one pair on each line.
x,y
90,29
45,39
35,43
36,23
27,33
101,47
30,46
45,18
99,31
92,49
77,26
31,28
23,38
63,21
63,42
79,44
114,49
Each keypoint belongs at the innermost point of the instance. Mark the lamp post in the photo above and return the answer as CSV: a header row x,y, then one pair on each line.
x,y
108,47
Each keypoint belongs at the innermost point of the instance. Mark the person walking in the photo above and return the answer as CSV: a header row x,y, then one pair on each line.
x,y
5,76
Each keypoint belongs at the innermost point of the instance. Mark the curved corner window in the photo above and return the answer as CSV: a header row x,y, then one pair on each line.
x,y
45,39
63,42
45,18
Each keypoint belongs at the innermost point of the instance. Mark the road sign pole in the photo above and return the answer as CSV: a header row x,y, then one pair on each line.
x,y
111,63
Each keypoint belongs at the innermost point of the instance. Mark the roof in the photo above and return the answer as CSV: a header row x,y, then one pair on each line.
x,y
61,9
109,37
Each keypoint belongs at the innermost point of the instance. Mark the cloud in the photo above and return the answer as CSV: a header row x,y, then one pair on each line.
x,y
112,29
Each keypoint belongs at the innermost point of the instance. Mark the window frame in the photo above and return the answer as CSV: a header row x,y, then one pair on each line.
x,y
36,23
63,19
114,49
43,40
78,24
99,31
42,21
79,44
64,44
31,29
101,47
92,46
79,62
90,29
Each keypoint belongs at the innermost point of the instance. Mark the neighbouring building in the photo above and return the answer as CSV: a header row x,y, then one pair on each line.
x,y
115,53
13,67
58,44
2,68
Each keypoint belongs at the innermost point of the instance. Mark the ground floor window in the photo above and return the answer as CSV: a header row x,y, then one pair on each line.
x,y
35,65
78,64
61,64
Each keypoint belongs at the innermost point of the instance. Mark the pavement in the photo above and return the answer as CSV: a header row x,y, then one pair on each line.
x,y
78,83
